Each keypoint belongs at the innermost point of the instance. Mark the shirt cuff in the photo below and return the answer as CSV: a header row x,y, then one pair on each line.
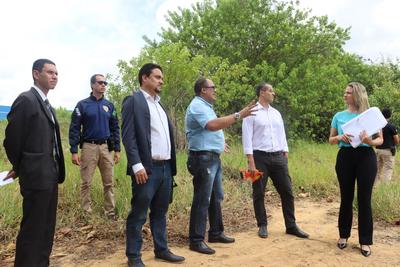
x,y
248,151
137,167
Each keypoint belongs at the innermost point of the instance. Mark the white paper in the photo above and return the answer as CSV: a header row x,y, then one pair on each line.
x,y
370,121
2,176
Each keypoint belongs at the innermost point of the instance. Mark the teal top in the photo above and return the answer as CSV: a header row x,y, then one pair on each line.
x,y
341,118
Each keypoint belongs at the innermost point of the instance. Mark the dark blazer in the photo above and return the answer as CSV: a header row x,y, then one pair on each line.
x,y
29,142
136,134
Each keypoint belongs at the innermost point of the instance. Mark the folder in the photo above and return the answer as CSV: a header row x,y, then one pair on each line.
x,y
370,120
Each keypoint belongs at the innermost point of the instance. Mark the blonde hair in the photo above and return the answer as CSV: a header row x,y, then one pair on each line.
x,y
360,96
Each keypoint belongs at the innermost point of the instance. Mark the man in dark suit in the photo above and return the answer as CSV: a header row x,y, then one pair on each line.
x,y
149,144
33,146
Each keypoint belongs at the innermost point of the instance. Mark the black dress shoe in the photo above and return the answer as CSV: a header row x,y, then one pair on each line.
x,y
342,245
296,231
169,256
201,247
220,239
262,231
135,263
365,253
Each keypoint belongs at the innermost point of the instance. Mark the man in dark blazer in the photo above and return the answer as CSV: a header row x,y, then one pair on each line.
x,y
33,146
149,144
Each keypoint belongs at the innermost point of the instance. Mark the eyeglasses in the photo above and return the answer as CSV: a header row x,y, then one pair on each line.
x,y
210,87
268,90
102,82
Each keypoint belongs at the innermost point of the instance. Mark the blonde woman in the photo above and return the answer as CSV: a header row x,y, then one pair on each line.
x,y
355,165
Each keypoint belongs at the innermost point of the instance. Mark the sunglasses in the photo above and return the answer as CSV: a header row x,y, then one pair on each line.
x,y
102,82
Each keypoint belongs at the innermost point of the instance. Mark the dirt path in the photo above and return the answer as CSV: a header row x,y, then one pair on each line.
x,y
279,249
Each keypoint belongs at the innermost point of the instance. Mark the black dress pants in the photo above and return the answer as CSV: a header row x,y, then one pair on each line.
x,y
35,237
274,165
356,164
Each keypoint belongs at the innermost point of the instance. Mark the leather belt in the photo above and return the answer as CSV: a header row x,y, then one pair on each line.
x,y
159,162
275,153
97,142
204,153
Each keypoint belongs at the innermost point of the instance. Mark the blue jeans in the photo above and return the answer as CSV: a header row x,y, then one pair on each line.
x,y
207,197
154,194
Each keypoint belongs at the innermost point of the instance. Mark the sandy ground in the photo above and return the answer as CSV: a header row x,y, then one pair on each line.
x,y
279,249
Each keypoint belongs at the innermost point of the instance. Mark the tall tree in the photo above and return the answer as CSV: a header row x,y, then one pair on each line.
x,y
239,43
273,41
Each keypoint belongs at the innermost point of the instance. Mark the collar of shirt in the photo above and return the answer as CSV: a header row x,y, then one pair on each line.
x,y
42,95
94,98
205,101
259,106
148,96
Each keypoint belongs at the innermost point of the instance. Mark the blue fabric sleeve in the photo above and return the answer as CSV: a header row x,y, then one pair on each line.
x,y
334,122
75,128
200,115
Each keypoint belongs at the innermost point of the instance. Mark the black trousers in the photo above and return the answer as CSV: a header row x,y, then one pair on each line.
x,y
35,237
273,165
356,164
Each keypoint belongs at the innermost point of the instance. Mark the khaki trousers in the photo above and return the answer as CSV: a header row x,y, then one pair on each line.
x,y
93,155
385,165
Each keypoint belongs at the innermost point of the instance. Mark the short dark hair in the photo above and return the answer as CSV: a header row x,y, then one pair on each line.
x,y
146,70
261,86
200,83
93,78
387,113
39,64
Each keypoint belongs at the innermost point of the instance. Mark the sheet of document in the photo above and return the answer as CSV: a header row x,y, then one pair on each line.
x,y
370,120
2,176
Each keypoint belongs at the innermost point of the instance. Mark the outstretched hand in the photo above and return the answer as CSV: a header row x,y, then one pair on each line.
x,y
249,110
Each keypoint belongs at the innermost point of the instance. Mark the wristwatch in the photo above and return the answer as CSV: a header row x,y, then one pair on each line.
x,y
237,115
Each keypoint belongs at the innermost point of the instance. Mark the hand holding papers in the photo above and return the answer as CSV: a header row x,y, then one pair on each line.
x,y
370,121
4,175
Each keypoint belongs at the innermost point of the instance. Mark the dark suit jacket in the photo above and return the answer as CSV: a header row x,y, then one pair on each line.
x,y
136,134
29,142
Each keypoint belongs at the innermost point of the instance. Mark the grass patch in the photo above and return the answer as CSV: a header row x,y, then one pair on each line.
x,y
386,200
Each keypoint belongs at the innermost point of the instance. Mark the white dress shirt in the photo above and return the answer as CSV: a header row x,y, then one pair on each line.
x,y
160,139
44,98
264,131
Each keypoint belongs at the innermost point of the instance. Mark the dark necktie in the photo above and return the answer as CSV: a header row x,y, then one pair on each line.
x,y
55,149
50,109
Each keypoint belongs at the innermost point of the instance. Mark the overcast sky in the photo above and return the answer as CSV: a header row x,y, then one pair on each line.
x,y
84,37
